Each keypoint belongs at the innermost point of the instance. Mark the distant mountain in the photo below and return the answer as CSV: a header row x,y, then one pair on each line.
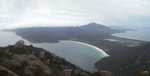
x,y
122,29
101,29
54,34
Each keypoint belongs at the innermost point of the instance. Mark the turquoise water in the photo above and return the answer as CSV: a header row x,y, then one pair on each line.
x,y
81,54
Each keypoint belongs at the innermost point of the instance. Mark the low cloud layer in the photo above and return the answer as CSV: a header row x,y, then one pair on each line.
x,y
22,13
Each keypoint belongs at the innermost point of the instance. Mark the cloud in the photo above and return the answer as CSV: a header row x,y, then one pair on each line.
x,y
18,13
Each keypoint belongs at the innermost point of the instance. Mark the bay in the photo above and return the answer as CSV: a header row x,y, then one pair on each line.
x,y
80,54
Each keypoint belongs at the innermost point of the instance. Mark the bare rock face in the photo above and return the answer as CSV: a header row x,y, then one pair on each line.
x,y
19,43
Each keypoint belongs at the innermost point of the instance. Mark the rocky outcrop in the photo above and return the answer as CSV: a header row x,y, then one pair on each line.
x,y
6,72
32,61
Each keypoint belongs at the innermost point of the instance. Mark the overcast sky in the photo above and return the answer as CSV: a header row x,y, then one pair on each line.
x,y
20,13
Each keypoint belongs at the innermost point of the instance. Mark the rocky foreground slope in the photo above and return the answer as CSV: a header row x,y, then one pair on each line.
x,y
25,60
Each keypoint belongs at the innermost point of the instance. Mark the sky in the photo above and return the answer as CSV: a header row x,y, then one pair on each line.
x,y
28,13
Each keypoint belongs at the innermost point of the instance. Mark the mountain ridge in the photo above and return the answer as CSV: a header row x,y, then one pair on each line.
x,y
54,34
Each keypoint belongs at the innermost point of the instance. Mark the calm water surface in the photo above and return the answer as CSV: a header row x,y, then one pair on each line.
x,y
140,34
